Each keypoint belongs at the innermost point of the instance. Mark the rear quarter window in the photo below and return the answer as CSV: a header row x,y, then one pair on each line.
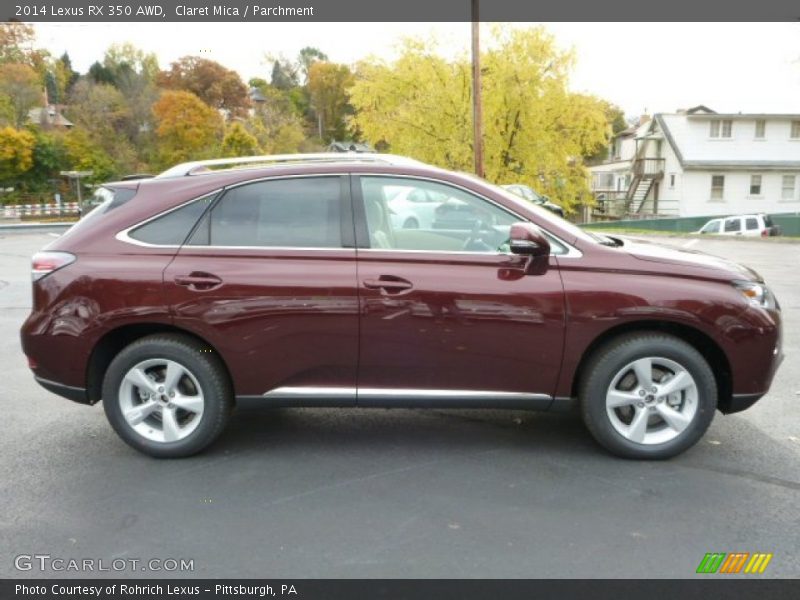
x,y
173,227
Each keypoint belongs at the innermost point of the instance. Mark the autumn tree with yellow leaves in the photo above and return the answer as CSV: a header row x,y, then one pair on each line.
x,y
536,130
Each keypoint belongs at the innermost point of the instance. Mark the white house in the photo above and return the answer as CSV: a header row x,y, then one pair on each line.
x,y
698,162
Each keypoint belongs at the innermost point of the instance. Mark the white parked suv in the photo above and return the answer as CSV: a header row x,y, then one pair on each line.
x,y
749,225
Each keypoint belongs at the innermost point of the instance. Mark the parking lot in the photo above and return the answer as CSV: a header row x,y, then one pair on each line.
x,y
297,493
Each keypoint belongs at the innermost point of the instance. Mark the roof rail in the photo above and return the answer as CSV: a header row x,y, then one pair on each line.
x,y
204,166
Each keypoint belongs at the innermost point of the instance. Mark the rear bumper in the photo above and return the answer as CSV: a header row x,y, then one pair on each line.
x,y
740,402
76,394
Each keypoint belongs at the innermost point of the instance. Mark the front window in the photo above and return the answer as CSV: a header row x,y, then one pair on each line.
x,y
755,185
711,227
454,220
717,187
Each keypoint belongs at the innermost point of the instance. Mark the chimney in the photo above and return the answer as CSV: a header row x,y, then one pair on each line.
x,y
643,119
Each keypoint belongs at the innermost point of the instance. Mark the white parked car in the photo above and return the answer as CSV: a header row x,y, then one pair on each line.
x,y
748,225
413,207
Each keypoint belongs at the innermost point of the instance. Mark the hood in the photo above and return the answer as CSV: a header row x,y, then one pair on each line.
x,y
659,253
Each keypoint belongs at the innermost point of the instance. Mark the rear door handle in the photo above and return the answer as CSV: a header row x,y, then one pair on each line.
x,y
198,281
389,283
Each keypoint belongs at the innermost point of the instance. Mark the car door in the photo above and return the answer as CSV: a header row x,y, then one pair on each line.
x,y
268,277
732,226
751,227
448,317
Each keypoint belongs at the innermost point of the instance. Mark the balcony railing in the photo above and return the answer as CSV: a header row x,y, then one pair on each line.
x,y
650,168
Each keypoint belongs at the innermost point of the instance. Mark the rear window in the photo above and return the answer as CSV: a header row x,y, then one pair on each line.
x,y
752,223
105,199
768,221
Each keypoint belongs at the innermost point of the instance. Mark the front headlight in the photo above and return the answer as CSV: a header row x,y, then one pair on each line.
x,y
757,294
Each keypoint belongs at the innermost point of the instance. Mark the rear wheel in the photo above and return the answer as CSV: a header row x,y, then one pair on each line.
x,y
167,395
648,395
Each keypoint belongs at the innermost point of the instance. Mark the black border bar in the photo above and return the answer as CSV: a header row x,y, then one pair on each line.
x,y
700,588
396,10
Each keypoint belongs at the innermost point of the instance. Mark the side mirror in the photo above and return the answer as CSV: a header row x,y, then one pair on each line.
x,y
528,240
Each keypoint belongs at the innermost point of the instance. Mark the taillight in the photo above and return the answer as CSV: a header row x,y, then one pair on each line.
x,y
765,233
44,263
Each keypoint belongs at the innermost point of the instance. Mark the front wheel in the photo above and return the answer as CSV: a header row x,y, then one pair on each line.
x,y
648,395
167,396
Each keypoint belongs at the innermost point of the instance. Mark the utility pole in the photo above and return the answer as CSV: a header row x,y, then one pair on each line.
x,y
477,108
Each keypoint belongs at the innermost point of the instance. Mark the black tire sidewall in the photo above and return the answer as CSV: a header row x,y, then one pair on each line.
x,y
209,374
613,357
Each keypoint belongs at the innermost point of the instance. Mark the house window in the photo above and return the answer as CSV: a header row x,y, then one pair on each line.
x,y
761,128
717,186
795,130
787,187
672,181
721,129
755,185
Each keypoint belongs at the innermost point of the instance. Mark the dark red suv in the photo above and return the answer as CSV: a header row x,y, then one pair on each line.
x,y
291,279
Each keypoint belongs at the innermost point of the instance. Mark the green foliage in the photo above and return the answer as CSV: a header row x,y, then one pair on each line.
x,y
307,57
82,154
284,74
328,87
238,142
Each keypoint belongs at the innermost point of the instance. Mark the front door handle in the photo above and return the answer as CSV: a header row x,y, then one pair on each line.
x,y
199,281
388,283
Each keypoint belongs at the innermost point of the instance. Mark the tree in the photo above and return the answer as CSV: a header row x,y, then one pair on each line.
x,y
536,130
307,57
82,154
275,124
16,45
284,74
214,84
21,85
328,86
103,112
187,128
16,153
238,142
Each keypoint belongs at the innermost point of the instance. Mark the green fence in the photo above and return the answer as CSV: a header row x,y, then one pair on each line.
x,y
788,222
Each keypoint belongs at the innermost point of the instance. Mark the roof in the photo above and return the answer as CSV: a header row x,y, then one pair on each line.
x,y
256,95
48,116
742,164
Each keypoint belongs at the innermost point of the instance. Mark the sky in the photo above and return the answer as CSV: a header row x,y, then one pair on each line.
x,y
641,67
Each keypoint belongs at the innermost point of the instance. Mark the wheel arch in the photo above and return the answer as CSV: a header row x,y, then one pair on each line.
x,y
113,341
701,341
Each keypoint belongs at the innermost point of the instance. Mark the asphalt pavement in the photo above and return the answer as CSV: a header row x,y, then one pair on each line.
x,y
307,493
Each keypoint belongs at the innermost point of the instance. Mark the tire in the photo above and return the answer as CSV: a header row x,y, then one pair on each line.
x,y
143,413
665,420
411,223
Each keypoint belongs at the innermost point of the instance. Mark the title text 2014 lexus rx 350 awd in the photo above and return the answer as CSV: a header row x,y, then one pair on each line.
x,y
285,279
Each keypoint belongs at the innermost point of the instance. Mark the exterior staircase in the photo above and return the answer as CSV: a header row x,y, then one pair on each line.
x,y
646,172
